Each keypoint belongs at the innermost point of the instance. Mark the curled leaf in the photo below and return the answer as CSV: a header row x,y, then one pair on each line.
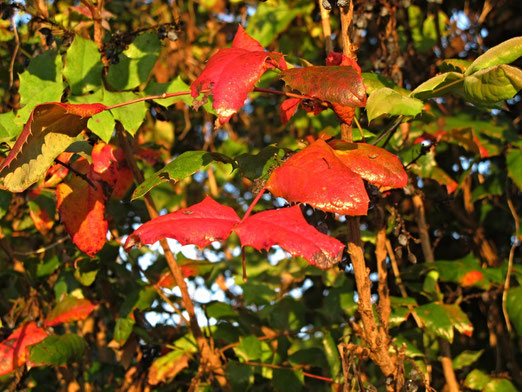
x,y
287,228
51,128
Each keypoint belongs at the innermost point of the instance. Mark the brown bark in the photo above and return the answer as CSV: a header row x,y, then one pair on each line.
x,y
210,360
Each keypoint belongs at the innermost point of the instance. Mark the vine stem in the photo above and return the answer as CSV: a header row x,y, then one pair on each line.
x,y
211,362
253,204
181,93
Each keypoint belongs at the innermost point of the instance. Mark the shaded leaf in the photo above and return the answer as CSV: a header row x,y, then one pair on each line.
x,y
123,329
438,86
514,165
199,224
514,310
69,309
51,128
316,176
372,163
504,53
287,380
232,73
500,385
82,209
287,228
58,350
454,65
254,166
476,379
183,166
83,67
342,85
168,366
466,358
238,375
288,109
386,101
135,63
436,320
14,351
174,86
493,84
41,210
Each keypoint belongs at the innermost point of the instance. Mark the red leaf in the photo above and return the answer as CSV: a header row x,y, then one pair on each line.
x,y
288,109
372,163
316,176
54,117
13,350
41,213
69,309
336,58
109,163
342,85
232,73
345,114
199,224
470,278
287,228
82,209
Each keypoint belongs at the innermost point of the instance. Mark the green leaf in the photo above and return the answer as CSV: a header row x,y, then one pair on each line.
x,y
174,86
58,350
373,81
514,310
455,65
83,66
459,319
466,358
256,165
48,267
8,128
332,354
183,166
47,66
500,385
130,116
386,101
287,380
279,13
312,356
123,329
491,85
102,124
514,165
220,310
5,201
86,271
436,320
438,86
239,375
504,53
135,63
476,379
411,351
249,348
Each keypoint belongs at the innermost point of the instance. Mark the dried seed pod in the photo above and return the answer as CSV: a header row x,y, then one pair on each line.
x,y
327,5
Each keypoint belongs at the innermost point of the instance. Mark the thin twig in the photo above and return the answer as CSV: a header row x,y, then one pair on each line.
x,y
13,59
272,366
42,249
363,139
390,130
81,175
511,257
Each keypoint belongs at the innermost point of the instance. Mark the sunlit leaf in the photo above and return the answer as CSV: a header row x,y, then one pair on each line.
x,y
372,163
199,224
51,128
168,366
386,101
504,53
316,176
287,228
14,350
69,309
232,73
494,84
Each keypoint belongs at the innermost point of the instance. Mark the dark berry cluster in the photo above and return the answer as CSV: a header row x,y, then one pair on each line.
x,y
327,4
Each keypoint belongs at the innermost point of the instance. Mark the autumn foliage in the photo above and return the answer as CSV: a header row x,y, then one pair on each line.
x,y
303,214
